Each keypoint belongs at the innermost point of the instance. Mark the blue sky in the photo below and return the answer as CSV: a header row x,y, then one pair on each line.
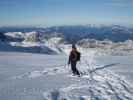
x,y
65,12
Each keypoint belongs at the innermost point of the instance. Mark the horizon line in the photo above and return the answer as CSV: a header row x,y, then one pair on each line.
x,y
45,26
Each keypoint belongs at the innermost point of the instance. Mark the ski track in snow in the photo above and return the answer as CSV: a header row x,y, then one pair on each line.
x,y
46,71
100,85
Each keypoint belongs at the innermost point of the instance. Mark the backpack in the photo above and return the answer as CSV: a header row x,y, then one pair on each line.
x,y
78,56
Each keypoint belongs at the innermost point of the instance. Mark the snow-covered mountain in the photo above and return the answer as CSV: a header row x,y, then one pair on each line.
x,y
108,47
101,32
33,42
111,32
15,34
59,45
103,39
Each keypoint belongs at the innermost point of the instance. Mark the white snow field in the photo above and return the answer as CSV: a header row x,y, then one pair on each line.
x,y
27,76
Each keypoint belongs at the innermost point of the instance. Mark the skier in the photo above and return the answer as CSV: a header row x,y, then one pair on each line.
x,y
74,56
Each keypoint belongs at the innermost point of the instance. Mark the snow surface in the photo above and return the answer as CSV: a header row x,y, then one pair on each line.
x,y
27,76
15,34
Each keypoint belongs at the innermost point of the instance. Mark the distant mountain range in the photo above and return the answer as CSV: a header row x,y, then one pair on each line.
x,y
73,34
113,40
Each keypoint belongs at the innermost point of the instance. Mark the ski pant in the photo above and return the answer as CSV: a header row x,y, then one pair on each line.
x,y
74,69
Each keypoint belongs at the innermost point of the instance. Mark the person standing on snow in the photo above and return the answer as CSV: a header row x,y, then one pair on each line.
x,y
74,57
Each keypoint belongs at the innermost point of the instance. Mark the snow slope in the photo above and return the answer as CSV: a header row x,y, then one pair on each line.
x,y
26,76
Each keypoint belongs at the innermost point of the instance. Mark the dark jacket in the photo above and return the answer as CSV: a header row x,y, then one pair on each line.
x,y
73,56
